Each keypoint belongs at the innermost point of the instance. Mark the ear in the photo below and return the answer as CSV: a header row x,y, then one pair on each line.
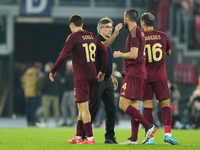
x,y
127,19
82,25
100,29
142,22
72,25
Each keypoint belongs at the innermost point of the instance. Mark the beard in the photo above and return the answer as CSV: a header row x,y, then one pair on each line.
x,y
126,25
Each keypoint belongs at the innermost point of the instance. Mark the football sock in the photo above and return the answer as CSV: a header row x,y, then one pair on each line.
x,y
169,134
90,138
167,129
135,114
79,128
166,118
78,137
88,129
134,128
148,116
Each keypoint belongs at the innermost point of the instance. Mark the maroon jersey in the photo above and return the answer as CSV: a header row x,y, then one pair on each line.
x,y
135,67
157,43
83,46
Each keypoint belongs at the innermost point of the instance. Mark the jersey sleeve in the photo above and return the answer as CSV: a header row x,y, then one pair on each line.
x,y
69,44
63,54
134,39
104,54
134,42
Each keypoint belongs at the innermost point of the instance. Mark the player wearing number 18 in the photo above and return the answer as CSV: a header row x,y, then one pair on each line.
x,y
83,46
157,45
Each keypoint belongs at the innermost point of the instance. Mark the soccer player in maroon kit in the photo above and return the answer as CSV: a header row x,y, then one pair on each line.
x,y
134,77
83,46
157,45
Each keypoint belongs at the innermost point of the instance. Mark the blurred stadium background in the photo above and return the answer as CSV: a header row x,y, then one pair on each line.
x,y
35,30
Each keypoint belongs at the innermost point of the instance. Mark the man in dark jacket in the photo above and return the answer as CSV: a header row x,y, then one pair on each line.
x,y
105,90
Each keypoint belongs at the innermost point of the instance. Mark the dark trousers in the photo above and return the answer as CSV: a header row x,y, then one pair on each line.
x,y
31,106
104,91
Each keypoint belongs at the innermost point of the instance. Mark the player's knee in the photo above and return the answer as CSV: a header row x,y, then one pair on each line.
x,y
148,104
165,103
122,106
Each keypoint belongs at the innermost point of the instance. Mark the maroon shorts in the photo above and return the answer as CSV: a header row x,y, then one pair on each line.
x,y
83,90
159,87
132,87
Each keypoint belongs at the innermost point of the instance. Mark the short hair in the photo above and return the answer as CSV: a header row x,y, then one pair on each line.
x,y
38,65
132,14
50,64
148,19
76,20
103,21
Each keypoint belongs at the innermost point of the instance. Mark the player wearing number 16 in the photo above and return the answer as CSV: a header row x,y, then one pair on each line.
x,y
157,45
83,46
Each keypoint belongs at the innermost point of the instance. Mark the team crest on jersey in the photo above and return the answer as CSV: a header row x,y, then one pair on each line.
x,y
123,93
136,119
142,34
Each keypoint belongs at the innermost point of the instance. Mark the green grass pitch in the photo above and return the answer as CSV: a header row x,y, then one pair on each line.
x,y
57,139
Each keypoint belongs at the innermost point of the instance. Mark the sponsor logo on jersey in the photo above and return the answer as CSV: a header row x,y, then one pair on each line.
x,y
123,93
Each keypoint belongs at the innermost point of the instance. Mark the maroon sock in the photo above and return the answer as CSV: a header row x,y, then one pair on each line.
x,y
135,114
88,129
79,128
134,128
148,115
166,117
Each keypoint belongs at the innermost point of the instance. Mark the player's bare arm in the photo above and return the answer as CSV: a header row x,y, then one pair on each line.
x,y
114,80
109,41
168,52
133,54
51,75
